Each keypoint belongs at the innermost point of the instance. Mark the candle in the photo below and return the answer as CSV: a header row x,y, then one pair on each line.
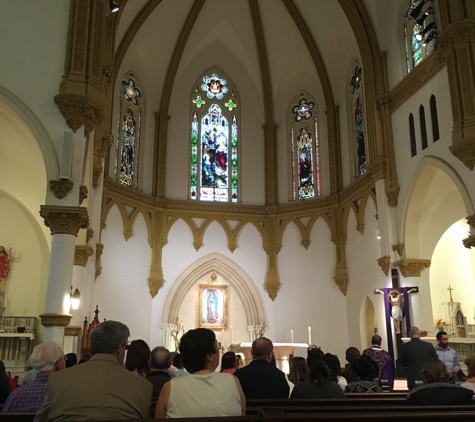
x,y
292,335
450,312
232,335
222,338
309,336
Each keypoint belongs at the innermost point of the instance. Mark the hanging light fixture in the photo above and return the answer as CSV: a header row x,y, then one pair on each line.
x,y
420,35
113,6
75,295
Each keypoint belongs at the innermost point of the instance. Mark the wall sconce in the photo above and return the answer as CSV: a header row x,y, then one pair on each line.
x,y
113,6
75,295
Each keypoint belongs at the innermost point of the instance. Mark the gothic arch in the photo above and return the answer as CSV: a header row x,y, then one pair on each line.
x,y
238,279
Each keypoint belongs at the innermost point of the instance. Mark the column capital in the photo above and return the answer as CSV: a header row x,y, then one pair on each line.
x,y
72,330
81,254
55,320
411,267
384,262
65,220
60,187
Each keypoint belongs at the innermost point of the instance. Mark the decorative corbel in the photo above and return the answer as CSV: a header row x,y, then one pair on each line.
x,y
412,267
384,262
61,187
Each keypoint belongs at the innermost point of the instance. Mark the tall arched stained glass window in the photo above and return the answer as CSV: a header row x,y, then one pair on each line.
x,y
214,141
304,148
416,45
360,138
128,139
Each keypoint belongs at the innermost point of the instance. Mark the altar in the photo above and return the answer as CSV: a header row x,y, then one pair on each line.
x,y
281,352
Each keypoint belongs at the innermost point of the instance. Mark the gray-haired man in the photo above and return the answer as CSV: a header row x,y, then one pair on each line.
x,y
100,388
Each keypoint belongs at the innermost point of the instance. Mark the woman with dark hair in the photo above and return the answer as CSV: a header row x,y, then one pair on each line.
x,y
367,370
333,364
320,384
438,391
138,358
204,392
228,363
298,370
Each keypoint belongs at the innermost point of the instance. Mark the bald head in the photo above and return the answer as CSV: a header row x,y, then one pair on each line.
x,y
262,348
160,358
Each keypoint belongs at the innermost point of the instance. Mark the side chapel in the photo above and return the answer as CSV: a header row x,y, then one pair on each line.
x,y
241,165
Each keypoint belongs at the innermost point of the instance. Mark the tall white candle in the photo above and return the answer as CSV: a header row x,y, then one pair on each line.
x,y
292,335
222,337
232,335
309,336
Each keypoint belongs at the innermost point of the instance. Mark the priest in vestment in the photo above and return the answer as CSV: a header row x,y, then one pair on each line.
x,y
383,359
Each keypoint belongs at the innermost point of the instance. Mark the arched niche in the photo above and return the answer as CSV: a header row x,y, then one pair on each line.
x,y
239,281
368,322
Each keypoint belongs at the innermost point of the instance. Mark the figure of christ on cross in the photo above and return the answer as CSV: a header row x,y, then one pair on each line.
x,y
395,298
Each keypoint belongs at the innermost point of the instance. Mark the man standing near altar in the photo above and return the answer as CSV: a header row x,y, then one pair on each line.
x,y
446,354
383,359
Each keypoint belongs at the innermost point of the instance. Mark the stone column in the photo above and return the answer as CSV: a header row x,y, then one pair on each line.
x,y
64,223
71,339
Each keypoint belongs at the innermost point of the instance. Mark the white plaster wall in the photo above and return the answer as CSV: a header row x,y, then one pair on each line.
x,y
179,254
364,275
309,296
26,284
453,265
122,291
407,165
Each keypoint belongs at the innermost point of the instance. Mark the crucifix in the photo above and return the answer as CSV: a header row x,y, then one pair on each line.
x,y
450,291
395,296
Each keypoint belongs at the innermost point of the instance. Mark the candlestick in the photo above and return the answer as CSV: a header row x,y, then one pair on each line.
x,y
232,335
292,335
309,336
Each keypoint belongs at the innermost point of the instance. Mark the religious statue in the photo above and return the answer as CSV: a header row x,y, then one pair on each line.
x,y
395,299
4,266
439,325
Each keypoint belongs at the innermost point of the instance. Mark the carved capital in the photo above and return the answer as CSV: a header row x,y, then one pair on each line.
x,y
469,241
55,320
72,330
81,254
64,220
399,248
107,141
272,283
79,111
465,152
89,234
82,193
341,276
60,187
412,267
155,281
392,194
384,262
96,173
99,250
471,221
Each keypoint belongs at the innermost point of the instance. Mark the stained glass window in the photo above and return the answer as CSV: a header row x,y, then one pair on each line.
x,y
360,138
128,133
214,143
305,153
416,45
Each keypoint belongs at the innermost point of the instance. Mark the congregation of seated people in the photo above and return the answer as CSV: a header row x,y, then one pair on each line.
x,y
121,380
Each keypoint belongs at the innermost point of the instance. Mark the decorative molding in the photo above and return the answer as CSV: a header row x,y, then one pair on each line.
x,y
272,283
469,242
61,187
55,320
81,254
82,193
89,234
72,330
341,276
416,79
79,111
412,267
65,220
99,250
155,281
384,262
96,173
465,152
398,247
